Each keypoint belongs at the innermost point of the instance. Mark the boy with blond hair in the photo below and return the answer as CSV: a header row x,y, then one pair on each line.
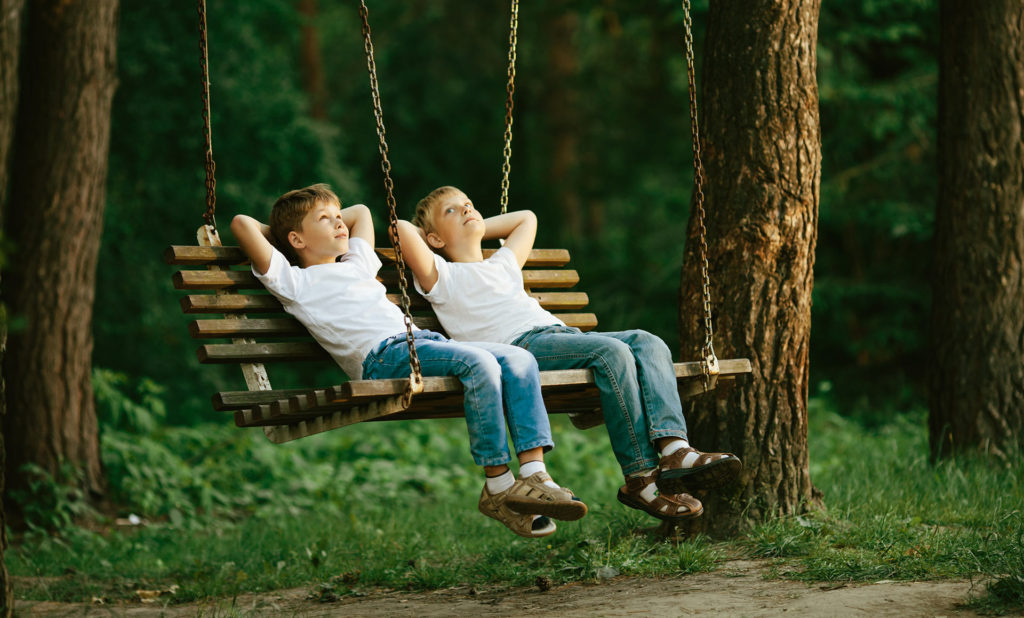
x,y
331,287
484,300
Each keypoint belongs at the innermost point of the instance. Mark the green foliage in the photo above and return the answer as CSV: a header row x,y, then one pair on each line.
x,y
51,502
877,78
142,411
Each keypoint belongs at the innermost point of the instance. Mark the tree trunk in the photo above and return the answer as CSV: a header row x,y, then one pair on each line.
x,y
762,153
54,217
976,391
10,43
312,61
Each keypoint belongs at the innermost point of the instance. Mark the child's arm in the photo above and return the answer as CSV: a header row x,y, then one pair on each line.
x,y
254,237
519,229
417,255
359,222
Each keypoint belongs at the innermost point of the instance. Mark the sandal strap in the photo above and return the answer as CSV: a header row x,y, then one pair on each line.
x,y
533,487
671,505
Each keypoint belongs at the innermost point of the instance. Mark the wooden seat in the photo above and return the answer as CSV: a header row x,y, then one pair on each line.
x,y
227,288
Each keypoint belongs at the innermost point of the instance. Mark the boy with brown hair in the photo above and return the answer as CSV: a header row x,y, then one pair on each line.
x,y
331,287
484,300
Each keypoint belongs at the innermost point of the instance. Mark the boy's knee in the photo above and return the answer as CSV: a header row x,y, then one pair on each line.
x,y
481,362
519,362
616,353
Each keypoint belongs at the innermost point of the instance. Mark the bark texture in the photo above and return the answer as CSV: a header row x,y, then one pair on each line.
x,y
54,217
762,155
11,12
977,330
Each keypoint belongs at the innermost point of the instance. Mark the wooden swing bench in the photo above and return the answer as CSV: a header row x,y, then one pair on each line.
x,y
235,296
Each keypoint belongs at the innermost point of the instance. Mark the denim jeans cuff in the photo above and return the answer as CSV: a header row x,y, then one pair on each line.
x,y
668,433
494,461
545,443
639,466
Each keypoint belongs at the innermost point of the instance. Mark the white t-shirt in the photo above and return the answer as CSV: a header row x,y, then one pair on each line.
x,y
485,301
342,304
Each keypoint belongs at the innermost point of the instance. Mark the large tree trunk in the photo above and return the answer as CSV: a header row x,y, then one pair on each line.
x,y
54,217
762,153
10,43
977,330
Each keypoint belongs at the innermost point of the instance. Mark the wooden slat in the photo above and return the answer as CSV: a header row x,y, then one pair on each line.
x,y
562,301
534,279
230,303
570,382
539,258
216,280
235,328
260,352
265,303
235,400
192,255
245,280
247,328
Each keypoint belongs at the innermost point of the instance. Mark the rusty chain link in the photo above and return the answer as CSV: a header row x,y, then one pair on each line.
x,y
709,363
204,67
385,165
513,29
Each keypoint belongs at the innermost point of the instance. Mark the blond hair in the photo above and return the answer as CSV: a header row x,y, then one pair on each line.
x,y
289,210
424,217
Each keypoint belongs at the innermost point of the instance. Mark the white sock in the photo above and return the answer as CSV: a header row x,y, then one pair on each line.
x,y
530,468
647,472
498,484
674,446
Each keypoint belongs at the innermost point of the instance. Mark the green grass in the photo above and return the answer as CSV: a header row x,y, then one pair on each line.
x,y
394,505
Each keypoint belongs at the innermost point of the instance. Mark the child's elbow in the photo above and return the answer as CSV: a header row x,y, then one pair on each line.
x,y
238,224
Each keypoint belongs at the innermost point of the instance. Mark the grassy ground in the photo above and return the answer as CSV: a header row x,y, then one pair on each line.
x,y
394,505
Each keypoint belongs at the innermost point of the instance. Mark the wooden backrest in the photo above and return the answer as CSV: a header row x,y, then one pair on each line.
x,y
237,308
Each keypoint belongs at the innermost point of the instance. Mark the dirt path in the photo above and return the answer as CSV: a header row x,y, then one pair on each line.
x,y
735,589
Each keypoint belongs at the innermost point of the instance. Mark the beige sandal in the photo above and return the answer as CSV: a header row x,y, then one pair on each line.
x,y
705,471
637,493
531,495
495,507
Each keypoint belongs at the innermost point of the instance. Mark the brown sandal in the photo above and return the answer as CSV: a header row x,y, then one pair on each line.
x,y
495,507
663,506
706,471
531,495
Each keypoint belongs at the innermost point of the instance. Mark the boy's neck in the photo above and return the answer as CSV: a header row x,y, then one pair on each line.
x,y
471,253
306,262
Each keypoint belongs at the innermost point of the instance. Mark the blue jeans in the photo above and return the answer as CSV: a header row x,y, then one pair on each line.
x,y
497,378
634,374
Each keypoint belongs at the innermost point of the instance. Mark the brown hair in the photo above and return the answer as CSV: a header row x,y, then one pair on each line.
x,y
424,217
289,210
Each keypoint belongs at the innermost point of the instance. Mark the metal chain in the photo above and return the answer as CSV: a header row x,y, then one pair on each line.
x,y
385,165
710,362
513,29
204,67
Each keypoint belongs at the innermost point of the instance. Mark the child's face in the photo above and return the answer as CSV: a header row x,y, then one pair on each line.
x,y
323,236
456,221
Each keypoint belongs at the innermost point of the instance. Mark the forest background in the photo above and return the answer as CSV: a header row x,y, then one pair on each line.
x,y
601,153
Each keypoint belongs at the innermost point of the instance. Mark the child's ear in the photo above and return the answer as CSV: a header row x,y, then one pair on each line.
x,y
295,240
435,241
